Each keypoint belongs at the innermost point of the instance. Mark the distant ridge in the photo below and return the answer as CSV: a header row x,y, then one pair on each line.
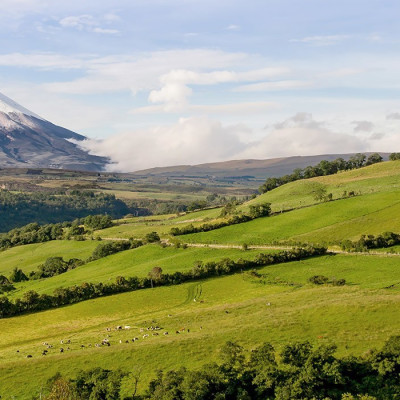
x,y
245,169
28,140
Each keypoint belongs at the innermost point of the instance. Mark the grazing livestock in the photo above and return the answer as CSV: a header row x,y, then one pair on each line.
x,y
118,328
146,335
17,351
108,329
61,350
127,327
82,346
120,340
268,304
29,356
155,334
177,332
141,329
44,353
134,339
126,341
165,333
97,345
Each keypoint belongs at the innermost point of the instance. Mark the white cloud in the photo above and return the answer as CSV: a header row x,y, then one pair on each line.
x,y
273,86
395,116
302,135
322,40
44,61
233,27
200,140
245,108
190,141
363,126
89,23
175,91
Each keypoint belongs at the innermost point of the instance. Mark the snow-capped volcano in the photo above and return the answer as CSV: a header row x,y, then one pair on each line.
x,y
28,140
9,106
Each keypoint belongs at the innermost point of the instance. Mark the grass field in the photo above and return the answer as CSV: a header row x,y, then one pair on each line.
x,y
328,222
357,316
278,305
382,177
136,262
28,257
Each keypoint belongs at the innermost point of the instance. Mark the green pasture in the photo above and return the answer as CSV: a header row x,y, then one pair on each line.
x,y
139,228
279,307
328,222
136,262
28,257
382,177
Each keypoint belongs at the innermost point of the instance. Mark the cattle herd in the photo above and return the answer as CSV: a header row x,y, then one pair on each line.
x,y
108,340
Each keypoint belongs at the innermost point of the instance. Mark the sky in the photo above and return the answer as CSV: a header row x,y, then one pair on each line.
x,y
166,82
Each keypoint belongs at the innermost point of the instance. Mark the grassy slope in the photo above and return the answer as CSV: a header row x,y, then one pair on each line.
x,y
28,257
136,262
356,317
382,177
324,223
138,228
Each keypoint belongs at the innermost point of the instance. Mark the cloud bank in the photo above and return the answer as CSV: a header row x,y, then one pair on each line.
x,y
199,140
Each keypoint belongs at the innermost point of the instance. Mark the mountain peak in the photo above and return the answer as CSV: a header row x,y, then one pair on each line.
x,y
28,140
9,106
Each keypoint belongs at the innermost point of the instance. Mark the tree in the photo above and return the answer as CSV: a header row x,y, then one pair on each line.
x,y
17,275
152,237
374,159
357,161
394,156
319,193
61,390
156,274
260,210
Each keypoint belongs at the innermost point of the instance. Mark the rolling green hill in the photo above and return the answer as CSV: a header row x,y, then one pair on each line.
x,y
360,315
277,303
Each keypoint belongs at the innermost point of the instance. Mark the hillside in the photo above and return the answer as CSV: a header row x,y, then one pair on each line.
x,y
252,170
276,303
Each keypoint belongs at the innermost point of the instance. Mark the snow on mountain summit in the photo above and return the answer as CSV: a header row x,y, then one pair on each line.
x,y
9,106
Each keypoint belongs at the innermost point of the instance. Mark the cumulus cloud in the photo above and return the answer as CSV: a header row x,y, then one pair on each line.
x,y
198,140
395,115
190,141
175,90
363,126
302,135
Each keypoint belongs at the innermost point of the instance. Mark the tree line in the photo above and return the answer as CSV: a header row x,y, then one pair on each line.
x,y
35,233
57,265
323,168
366,242
18,209
297,371
32,301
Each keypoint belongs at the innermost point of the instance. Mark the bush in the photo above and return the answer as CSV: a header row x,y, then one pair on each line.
x,y
152,237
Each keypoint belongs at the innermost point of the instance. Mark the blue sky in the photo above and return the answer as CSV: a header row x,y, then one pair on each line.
x,y
169,82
